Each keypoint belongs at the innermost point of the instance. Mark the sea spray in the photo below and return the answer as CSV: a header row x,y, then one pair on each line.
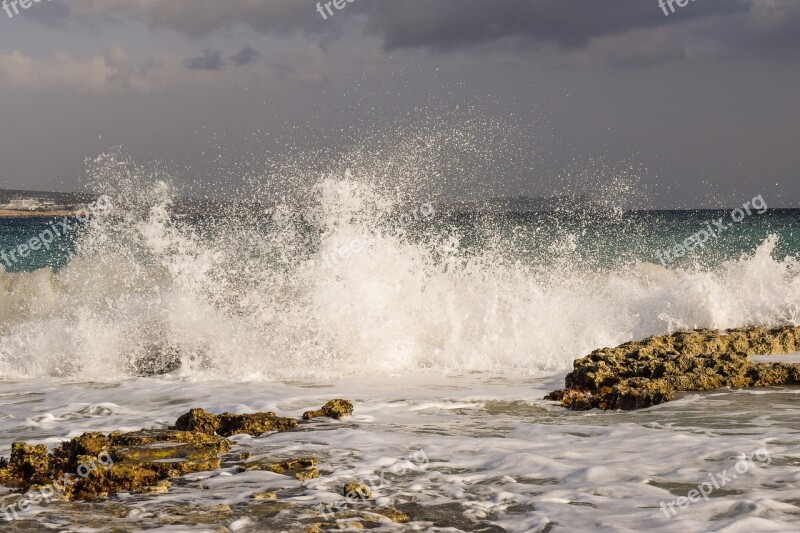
x,y
248,291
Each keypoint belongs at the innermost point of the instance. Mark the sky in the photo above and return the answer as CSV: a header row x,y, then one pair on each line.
x,y
701,104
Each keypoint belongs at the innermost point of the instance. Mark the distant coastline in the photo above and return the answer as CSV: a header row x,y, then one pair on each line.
x,y
14,213
16,203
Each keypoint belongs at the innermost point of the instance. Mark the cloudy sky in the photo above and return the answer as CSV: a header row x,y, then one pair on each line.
x,y
703,103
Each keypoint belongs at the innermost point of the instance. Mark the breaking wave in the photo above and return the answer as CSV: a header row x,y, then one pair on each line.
x,y
351,278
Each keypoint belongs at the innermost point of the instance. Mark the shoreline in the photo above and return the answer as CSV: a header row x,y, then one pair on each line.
x,y
11,214
376,447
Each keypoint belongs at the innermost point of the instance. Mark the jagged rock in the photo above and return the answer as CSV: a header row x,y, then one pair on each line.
x,y
354,489
144,461
198,420
96,466
333,409
228,424
311,473
254,424
28,466
642,374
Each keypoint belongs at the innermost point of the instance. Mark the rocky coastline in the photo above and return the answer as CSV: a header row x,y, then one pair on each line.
x,y
645,373
95,466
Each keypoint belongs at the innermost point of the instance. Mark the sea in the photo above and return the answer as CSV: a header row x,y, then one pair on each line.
x,y
445,327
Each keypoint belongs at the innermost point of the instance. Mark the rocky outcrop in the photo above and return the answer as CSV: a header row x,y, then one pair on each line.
x,y
354,489
228,424
333,409
642,374
95,465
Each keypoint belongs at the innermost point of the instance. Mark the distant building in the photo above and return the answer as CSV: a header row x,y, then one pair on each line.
x,y
30,204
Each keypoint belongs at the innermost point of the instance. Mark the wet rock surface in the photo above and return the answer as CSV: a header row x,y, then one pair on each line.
x,y
302,469
96,465
354,489
636,375
149,461
336,409
228,424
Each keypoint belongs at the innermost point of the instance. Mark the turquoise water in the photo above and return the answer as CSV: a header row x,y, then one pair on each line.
x,y
17,232
609,241
600,241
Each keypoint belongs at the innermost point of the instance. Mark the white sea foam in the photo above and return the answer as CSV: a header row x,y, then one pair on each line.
x,y
496,455
243,297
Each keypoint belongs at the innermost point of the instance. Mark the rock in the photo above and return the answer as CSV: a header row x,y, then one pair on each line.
x,y
393,515
228,424
302,469
311,473
260,496
28,466
198,420
354,490
254,424
195,515
161,487
642,374
95,466
373,517
333,409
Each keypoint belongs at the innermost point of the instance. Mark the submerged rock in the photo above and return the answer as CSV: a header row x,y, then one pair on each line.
x,y
356,518
302,469
333,409
642,374
260,496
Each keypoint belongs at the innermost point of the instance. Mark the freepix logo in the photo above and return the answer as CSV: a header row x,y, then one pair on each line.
x,y
338,4
15,5
671,3
57,229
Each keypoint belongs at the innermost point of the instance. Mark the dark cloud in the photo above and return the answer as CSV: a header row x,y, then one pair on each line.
x,y
210,60
707,93
568,24
246,56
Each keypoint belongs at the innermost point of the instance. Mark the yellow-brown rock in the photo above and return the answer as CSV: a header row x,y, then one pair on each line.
x,y
333,409
228,424
642,374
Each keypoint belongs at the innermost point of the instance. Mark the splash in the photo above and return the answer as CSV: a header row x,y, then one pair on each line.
x,y
353,279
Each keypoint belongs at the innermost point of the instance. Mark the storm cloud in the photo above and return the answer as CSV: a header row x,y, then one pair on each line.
x,y
706,97
210,60
449,24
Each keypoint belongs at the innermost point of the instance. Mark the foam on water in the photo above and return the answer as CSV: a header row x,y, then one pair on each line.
x,y
458,453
